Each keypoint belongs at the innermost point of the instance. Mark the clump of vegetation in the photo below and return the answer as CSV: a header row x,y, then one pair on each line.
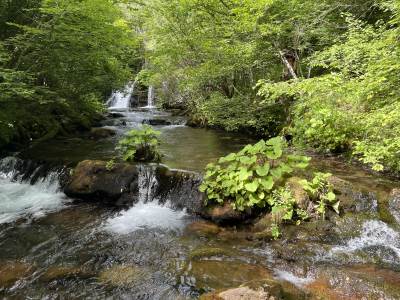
x,y
140,145
248,177
320,191
110,165
257,177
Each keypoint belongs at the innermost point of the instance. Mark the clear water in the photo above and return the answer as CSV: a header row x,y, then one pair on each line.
x,y
55,249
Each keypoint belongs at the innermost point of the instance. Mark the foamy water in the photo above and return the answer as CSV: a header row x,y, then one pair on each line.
x,y
373,233
292,278
146,215
19,200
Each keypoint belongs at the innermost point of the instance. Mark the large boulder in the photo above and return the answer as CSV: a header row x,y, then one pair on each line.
x,y
92,180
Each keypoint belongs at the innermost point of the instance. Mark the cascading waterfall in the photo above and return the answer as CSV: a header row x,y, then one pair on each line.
x,y
122,99
148,212
150,97
21,199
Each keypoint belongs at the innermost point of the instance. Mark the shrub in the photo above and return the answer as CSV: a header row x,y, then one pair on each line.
x,y
140,145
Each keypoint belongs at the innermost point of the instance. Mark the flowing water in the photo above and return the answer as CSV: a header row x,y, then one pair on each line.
x,y
54,248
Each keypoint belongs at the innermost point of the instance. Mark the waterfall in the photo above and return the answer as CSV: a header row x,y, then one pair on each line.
x,y
122,99
27,192
149,212
150,97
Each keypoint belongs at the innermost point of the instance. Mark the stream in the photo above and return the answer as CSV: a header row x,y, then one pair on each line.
x,y
55,248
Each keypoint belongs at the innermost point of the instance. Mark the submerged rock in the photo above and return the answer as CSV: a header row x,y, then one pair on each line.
x,y
63,272
12,271
203,228
91,180
121,276
207,252
355,282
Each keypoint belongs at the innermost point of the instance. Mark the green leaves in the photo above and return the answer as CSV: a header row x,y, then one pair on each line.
x,y
321,191
142,145
246,178
252,186
263,170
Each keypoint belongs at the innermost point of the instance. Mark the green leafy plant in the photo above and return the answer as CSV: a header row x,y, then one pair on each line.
x,y
140,145
284,208
320,191
110,164
247,178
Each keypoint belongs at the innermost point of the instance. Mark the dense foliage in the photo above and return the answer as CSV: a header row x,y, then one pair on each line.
x,y
321,71
58,61
140,145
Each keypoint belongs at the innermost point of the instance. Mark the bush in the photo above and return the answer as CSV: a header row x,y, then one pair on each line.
x,y
140,145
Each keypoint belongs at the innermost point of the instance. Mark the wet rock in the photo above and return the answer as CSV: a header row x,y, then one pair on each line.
x,y
157,122
101,133
394,204
121,276
92,181
203,228
225,214
115,115
212,274
351,198
262,228
12,271
356,282
179,188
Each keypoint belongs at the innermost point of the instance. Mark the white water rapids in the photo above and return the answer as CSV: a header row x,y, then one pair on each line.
x,y
23,200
